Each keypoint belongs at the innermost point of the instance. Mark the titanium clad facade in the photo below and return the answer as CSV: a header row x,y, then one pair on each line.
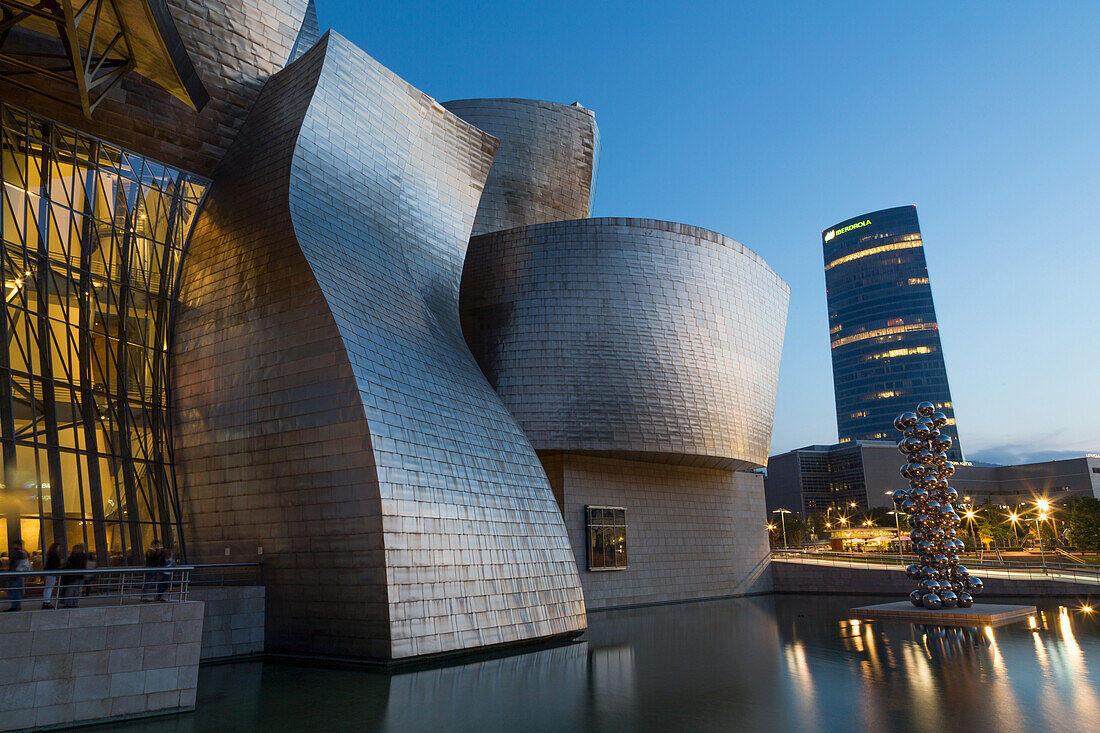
x,y
631,337
233,45
883,332
545,169
641,359
321,324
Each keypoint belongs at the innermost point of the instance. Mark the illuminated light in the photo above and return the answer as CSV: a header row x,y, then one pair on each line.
x,y
850,227
888,331
989,632
918,281
829,235
873,251
835,328
1086,609
1043,505
885,395
892,353
1031,624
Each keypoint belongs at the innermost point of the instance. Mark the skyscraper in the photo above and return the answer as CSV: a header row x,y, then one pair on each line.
x,y
882,325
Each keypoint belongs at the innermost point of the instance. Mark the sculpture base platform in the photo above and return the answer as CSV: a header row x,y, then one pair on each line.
x,y
980,614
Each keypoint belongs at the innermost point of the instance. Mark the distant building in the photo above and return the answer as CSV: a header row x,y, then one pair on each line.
x,y
818,478
882,325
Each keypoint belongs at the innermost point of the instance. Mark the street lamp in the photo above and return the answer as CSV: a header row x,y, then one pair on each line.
x,y
970,523
1014,518
897,525
1039,535
783,521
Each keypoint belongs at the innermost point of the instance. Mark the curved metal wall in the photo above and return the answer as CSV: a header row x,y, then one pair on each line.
x,y
545,167
235,47
326,391
632,337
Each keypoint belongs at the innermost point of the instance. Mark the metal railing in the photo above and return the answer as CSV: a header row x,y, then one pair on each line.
x,y
97,587
1010,570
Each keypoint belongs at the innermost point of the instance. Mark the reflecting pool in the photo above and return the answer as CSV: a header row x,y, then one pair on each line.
x,y
769,663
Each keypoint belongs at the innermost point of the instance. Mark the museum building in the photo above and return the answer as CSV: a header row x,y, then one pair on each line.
x,y
267,301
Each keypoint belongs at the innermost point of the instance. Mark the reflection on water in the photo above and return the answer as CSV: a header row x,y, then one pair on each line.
x,y
756,664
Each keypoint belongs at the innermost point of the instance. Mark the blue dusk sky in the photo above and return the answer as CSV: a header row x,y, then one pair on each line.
x,y
770,121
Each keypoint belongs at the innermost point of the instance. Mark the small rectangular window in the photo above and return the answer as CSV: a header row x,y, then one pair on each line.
x,y
606,527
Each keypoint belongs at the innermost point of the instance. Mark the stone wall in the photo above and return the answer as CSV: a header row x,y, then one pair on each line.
x,y
692,533
76,665
233,622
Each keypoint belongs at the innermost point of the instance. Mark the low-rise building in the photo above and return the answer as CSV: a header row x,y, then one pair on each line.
x,y
819,478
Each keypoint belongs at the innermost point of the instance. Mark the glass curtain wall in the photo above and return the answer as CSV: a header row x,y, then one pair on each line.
x,y
93,238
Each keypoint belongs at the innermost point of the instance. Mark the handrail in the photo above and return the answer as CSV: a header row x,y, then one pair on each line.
x,y
95,571
69,587
1005,569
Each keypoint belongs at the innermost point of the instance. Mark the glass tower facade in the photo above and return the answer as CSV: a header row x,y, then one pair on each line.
x,y
882,326
92,241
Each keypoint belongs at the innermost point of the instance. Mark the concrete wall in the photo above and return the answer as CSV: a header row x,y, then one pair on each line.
x,y
793,577
70,665
233,622
691,532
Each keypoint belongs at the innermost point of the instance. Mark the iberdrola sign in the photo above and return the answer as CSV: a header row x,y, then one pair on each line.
x,y
844,230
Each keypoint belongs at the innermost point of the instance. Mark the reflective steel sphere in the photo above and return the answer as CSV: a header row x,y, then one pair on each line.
x,y
949,598
906,420
912,572
965,600
924,457
932,602
939,419
916,598
926,409
922,431
947,470
951,493
910,445
939,459
914,470
974,585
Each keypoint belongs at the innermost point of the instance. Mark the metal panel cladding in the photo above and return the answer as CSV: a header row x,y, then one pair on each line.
x,y
882,325
630,337
330,406
545,168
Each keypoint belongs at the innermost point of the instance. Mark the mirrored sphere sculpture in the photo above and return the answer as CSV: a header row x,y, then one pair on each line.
x,y
930,503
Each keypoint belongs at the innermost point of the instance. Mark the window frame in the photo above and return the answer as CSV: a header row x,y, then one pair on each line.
x,y
589,526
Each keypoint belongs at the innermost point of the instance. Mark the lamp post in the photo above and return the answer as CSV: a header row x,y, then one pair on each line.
x,y
783,521
1039,534
1014,518
970,524
897,525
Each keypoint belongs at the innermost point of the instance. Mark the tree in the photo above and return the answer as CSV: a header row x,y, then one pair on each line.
x,y
1084,524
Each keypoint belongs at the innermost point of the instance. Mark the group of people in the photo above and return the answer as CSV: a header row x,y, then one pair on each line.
x,y
65,589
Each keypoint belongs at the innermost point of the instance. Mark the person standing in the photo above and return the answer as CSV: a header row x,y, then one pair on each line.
x,y
155,558
53,562
91,565
72,584
18,562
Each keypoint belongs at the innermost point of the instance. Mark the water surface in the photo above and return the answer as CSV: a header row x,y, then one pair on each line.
x,y
774,663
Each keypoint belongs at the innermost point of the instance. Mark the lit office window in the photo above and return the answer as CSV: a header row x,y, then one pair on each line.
x,y
606,527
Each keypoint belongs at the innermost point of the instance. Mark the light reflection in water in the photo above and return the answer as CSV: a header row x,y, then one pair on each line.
x,y
784,663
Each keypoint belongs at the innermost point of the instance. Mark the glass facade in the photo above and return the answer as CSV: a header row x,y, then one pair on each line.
x,y
882,326
93,238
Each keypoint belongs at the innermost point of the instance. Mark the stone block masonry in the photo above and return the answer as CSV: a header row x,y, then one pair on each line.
x,y
233,622
81,665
